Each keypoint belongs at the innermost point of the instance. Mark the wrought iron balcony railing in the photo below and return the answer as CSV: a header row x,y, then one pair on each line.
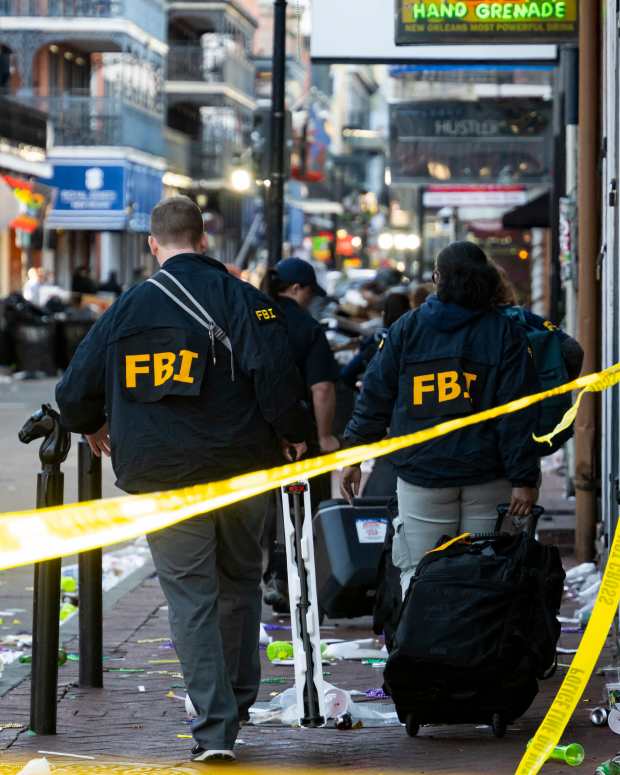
x,y
211,65
79,119
149,15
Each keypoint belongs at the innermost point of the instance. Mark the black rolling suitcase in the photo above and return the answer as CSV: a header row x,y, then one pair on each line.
x,y
477,629
348,546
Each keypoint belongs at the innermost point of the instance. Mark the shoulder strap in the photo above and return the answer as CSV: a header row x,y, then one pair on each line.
x,y
178,293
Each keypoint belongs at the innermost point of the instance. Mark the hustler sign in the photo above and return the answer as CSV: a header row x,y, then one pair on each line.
x,y
472,21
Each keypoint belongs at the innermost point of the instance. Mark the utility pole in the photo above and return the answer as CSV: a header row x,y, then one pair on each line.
x,y
275,198
570,70
589,214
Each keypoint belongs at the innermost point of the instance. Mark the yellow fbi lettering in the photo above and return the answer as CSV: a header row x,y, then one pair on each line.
x,y
445,384
161,366
265,314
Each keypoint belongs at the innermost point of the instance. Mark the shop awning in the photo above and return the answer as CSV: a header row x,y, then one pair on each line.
x,y
87,221
536,214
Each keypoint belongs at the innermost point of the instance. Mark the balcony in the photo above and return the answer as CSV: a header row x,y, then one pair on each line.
x,y
147,15
232,17
204,74
84,120
198,160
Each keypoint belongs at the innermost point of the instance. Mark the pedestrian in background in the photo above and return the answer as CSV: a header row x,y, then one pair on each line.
x,y
33,285
81,281
188,378
396,304
454,356
112,285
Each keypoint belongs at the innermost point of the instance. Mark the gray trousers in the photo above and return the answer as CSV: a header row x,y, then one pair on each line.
x,y
426,514
209,568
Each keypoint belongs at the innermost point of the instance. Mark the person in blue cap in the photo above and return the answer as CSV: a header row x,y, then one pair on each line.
x,y
293,285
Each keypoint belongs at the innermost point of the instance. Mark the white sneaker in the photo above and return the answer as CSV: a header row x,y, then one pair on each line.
x,y
200,754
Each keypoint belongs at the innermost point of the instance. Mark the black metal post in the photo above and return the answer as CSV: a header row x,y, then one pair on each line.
x,y
46,620
275,211
89,568
46,603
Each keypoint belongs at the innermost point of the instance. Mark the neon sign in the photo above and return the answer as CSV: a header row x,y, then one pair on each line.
x,y
474,21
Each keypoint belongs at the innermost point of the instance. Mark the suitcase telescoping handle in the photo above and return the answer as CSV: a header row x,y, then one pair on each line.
x,y
533,517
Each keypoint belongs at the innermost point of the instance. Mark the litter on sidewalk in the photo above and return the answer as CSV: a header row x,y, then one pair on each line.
x,y
368,648
282,709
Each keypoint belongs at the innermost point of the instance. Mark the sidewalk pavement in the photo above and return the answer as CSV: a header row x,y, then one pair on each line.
x,y
123,723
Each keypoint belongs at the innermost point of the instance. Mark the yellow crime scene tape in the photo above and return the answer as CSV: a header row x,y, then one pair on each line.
x,y
563,706
42,534
60,531
59,767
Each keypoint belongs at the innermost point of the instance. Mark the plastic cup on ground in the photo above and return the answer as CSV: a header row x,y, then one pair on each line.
x,y
336,702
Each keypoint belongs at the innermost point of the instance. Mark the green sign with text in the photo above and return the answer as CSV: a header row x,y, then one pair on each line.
x,y
475,21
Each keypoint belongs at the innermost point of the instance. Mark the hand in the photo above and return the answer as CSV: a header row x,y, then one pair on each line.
x,y
99,441
329,443
293,452
350,482
522,500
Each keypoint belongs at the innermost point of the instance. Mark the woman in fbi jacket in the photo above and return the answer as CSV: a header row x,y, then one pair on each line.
x,y
453,356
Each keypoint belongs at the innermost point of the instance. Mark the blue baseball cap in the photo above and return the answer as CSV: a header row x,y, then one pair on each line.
x,y
296,270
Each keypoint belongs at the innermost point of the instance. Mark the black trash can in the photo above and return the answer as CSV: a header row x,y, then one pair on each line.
x,y
34,343
7,351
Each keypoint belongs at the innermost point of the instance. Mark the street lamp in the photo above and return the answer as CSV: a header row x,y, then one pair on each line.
x,y
240,180
275,201
386,241
400,242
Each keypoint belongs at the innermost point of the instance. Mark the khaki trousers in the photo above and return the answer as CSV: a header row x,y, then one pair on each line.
x,y
426,514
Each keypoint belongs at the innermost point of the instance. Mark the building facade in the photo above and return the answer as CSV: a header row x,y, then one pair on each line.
x,y
24,133
97,71
210,101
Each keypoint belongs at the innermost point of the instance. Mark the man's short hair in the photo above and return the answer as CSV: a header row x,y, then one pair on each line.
x,y
177,221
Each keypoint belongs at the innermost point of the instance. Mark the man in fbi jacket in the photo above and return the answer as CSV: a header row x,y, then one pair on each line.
x,y
188,378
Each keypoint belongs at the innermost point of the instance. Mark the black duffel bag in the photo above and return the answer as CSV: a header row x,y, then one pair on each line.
x,y
477,629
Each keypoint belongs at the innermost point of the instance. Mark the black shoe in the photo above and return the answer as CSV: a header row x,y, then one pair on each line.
x,y
275,594
200,754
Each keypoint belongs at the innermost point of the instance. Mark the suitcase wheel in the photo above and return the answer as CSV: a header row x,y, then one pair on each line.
x,y
499,725
412,726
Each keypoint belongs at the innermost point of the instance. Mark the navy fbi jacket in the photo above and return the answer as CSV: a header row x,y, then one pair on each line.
x,y
443,361
181,408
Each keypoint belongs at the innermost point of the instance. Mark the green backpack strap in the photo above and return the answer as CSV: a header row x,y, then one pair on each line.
x,y
546,348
